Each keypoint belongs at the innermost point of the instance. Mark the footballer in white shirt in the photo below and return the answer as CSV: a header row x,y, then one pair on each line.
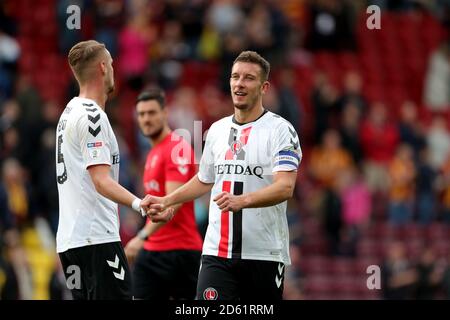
x,y
249,164
87,168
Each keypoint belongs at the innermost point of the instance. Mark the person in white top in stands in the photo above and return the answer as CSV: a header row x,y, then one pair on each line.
x,y
249,164
87,166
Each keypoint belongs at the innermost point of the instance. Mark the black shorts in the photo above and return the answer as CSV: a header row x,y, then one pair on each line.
x,y
238,279
160,275
97,272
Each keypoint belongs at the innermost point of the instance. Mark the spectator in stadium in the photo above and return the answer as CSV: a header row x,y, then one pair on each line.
x,y
446,278
438,140
166,256
8,282
429,275
10,144
7,220
426,188
410,129
329,159
290,106
29,122
379,139
134,43
251,172
445,189
20,200
172,50
352,93
259,28
324,101
209,44
212,106
9,56
44,173
183,111
18,284
9,116
332,218
349,128
29,100
226,16
437,79
46,191
331,25
326,163
356,202
191,15
399,275
402,175
87,165
108,16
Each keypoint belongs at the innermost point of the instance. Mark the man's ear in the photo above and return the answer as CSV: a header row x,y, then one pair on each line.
x,y
103,67
265,86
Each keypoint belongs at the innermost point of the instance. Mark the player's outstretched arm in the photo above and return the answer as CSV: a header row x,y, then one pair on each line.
x,y
280,190
112,190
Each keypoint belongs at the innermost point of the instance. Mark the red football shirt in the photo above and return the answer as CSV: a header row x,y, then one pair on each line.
x,y
172,160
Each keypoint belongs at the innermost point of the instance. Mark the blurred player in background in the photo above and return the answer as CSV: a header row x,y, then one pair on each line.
x,y
87,165
249,164
168,264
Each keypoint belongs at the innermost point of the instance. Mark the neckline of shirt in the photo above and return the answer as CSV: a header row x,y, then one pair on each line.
x,y
233,119
89,100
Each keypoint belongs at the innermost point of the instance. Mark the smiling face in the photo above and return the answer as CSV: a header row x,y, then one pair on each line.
x,y
246,84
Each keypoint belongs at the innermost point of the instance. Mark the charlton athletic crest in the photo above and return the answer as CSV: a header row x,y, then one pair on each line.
x,y
210,294
236,144
236,147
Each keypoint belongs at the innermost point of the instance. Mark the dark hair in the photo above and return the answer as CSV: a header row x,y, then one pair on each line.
x,y
254,57
152,94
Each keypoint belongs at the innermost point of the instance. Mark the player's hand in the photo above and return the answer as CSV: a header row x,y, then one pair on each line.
x,y
145,203
157,205
229,202
132,248
164,216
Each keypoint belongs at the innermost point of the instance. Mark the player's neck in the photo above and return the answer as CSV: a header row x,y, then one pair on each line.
x,y
249,115
93,92
161,137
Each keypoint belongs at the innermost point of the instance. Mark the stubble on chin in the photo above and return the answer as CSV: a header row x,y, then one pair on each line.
x,y
241,106
155,134
111,89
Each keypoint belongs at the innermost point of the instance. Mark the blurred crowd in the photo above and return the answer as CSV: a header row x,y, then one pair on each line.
x,y
364,158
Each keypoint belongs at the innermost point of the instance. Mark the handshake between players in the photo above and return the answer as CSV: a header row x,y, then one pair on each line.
x,y
155,209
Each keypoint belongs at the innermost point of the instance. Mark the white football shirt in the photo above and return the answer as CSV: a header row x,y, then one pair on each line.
x,y
240,159
84,137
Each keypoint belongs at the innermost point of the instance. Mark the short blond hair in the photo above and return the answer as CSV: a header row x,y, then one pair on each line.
x,y
81,56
